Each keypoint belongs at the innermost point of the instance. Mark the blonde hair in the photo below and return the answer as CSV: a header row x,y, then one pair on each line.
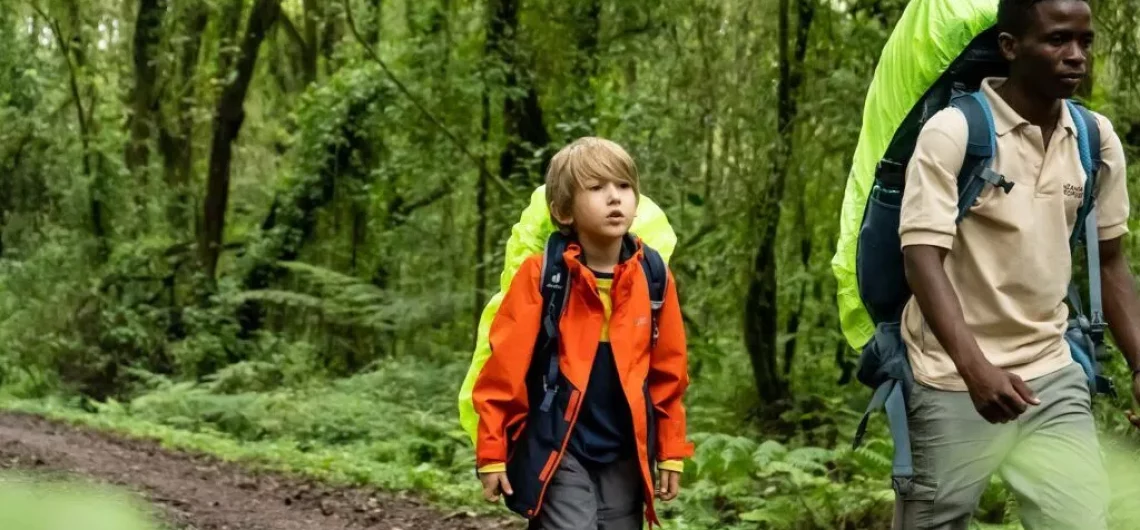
x,y
586,158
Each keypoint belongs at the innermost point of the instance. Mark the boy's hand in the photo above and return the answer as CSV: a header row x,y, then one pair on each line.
x,y
494,484
668,485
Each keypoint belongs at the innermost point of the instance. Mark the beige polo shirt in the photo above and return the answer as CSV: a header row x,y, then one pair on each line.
x,y
1009,260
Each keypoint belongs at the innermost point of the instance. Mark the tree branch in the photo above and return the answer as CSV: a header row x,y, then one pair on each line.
x,y
82,117
401,209
479,163
291,30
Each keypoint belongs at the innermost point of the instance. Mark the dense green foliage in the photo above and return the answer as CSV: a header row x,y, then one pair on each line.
x,y
384,151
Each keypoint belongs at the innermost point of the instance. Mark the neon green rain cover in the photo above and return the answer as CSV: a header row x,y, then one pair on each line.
x,y
528,237
928,37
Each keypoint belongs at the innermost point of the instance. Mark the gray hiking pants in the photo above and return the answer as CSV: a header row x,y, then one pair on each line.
x,y
1049,458
578,498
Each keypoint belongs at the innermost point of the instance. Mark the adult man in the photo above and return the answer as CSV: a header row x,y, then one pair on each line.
x,y
997,387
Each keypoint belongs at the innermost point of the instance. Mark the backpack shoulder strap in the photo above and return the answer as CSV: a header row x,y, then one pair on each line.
x,y
554,288
1085,232
1088,145
1088,135
657,276
981,144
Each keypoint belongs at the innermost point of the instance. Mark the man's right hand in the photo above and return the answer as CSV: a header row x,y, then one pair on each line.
x,y
494,484
999,396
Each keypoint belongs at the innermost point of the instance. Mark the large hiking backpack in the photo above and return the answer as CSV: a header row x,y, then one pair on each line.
x,y
547,425
879,275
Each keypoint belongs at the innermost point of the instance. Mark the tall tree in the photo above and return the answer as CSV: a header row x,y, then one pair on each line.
x,y
144,98
74,49
761,314
228,120
175,140
373,32
332,30
492,54
586,17
523,124
522,115
312,18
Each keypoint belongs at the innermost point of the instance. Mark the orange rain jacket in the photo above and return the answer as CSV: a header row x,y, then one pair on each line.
x,y
653,381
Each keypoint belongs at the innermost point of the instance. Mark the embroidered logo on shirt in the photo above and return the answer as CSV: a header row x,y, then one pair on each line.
x,y
1074,191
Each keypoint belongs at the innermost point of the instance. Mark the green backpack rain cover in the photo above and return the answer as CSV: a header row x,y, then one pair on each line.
x,y
929,36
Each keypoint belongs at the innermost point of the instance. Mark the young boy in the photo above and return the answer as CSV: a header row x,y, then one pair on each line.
x,y
584,459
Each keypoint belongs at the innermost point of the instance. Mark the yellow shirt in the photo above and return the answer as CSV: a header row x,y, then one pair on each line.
x,y
604,285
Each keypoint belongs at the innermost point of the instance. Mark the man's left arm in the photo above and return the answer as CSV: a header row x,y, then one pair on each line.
x,y
1121,303
1122,310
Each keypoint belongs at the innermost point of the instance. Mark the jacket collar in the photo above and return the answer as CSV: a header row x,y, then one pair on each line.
x,y
631,249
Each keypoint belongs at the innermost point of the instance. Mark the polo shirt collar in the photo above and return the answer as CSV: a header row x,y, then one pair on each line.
x,y
1006,119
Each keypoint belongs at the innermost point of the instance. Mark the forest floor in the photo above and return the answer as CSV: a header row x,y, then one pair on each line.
x,y
198,492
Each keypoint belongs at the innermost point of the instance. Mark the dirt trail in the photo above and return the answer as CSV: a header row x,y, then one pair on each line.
x,y
195,492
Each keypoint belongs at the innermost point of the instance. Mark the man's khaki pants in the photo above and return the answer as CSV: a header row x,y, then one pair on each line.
x,y
1049,458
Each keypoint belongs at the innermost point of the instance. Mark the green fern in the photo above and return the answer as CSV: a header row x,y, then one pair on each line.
x,y
344,299
810,459
872,458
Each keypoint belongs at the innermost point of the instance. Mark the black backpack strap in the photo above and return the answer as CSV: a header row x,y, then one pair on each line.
x,y
981,143
656,275
555,287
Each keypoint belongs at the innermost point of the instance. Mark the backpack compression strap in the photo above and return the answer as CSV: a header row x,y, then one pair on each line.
x,y
891,396
655,274
555,287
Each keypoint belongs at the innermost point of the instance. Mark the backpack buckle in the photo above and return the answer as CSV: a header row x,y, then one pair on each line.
x,y
548,398
1097,325
902,485
1084,324
890,172
1097,335
997,179
547,387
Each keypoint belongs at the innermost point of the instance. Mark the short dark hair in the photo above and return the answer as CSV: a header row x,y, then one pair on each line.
x,y
1013,15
